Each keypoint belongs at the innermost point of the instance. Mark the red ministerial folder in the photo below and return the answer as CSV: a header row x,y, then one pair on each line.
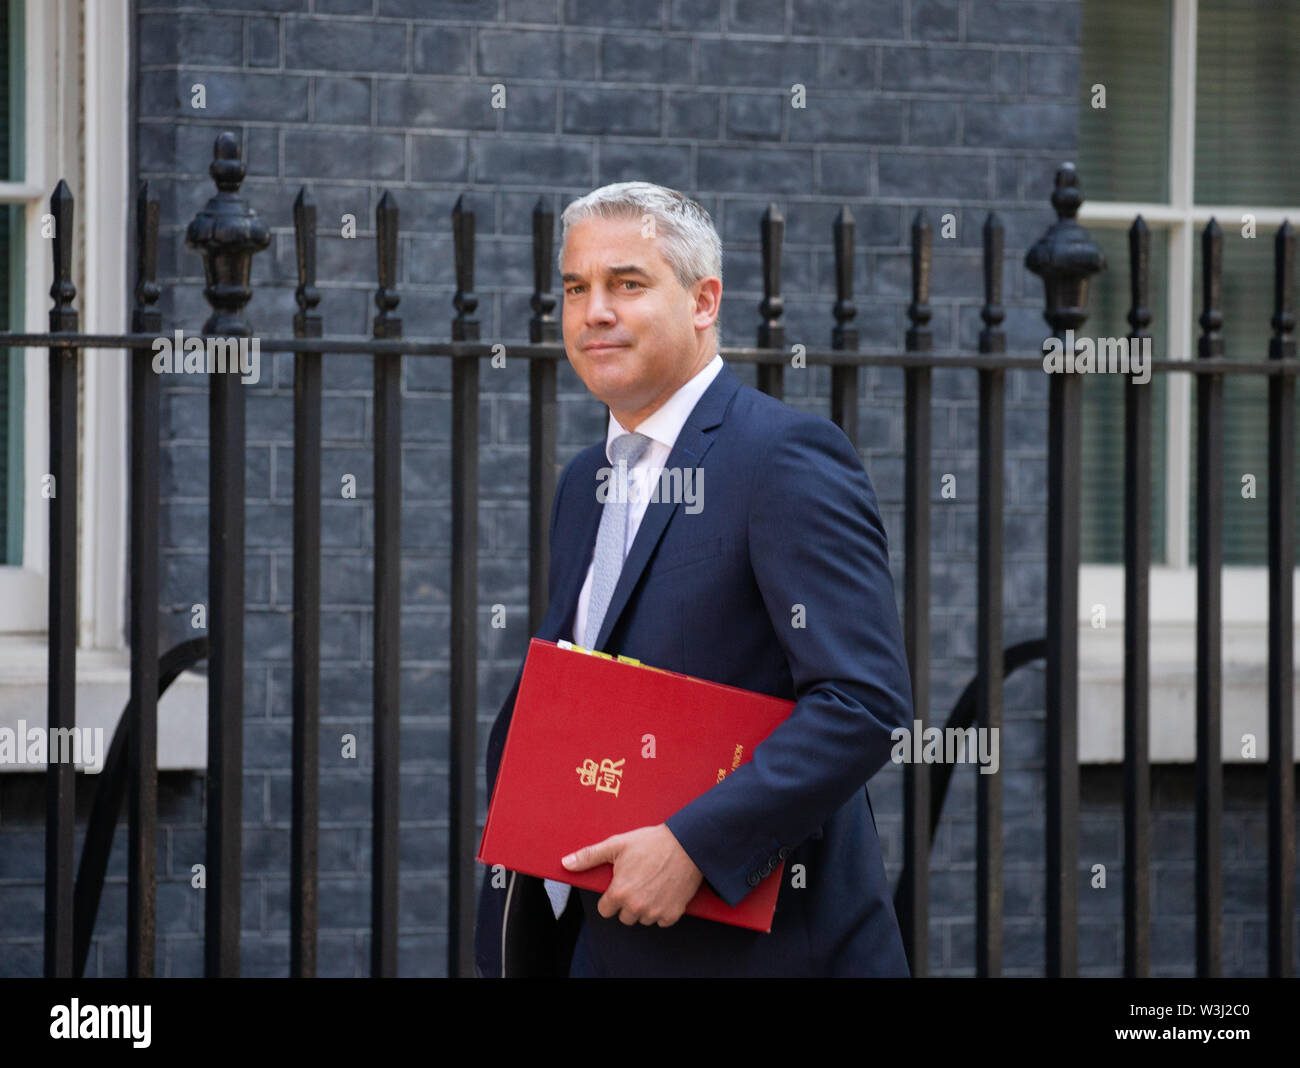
x,y
578,765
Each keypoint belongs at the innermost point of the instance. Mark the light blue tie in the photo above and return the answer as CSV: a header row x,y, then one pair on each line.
x,y
624,451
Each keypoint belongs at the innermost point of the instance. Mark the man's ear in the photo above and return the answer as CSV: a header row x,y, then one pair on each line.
x,y
707,294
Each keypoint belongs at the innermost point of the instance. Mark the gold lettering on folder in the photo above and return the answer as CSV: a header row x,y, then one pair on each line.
x,y
606,777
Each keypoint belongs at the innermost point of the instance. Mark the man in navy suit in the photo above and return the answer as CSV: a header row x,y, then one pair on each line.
x,y
763,565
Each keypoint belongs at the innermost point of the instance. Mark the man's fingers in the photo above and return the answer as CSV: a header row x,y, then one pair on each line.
x,y
593,855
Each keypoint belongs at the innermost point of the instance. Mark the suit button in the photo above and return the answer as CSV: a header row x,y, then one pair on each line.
x,y
765,870
783,852
753,878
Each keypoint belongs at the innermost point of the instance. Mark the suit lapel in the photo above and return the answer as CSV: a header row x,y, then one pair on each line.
x,y
694,441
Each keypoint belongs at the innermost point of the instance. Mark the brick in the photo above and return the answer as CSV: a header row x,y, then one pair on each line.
x,y
532,10
848,67
935,20
932,122
263,42
847,173
1007,78
861,18
318,154
946,70
732,169
611,111
211,40
756,16
599,13
757,63
260,6
932,176
441,50
1054,73
532,109
661,61
519,53
691,114
565,163
1022,126
1016,22
341,100
261,97
698,16
345,46
439,159
668,165
580,51
754,117
421,103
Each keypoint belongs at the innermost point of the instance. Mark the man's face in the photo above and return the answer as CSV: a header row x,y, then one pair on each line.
x,y
631,331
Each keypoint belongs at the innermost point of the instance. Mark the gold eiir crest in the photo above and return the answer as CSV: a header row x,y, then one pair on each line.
x,y
607,776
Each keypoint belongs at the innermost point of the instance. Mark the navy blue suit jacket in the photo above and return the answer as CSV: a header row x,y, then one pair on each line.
x,y
780,583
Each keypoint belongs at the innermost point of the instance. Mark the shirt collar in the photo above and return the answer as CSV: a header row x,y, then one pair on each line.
x,y
666,422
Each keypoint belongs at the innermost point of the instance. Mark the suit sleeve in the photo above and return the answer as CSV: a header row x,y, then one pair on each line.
x,y
820,557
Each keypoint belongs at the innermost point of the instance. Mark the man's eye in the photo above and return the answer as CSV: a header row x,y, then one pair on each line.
x,y
571,290
629,282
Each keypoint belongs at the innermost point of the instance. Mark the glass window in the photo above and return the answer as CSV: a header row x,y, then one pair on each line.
x,y
1240,153
11,287
1124,147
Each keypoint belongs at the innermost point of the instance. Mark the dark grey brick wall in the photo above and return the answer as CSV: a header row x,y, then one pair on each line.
x,y
947,105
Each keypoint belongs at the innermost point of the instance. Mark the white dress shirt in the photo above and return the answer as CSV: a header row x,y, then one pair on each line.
x,y
662,428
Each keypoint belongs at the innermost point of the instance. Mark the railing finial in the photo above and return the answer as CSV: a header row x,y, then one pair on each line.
x,y
1210,344
386,324
1283,343
771,331
226,232
845,335
919,338
993,339
306,294
1139,273
145,318
464,327
63,317
1065,257
542,327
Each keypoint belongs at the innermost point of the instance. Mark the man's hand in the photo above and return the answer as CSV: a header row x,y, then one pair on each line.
x,y
654,878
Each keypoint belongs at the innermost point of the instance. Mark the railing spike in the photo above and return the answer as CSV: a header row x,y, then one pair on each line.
x,y
464,327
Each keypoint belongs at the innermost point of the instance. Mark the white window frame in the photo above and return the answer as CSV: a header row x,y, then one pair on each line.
x,y
78,137
1173,585
77,68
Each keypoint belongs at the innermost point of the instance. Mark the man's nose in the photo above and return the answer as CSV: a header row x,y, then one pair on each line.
x,y
599,307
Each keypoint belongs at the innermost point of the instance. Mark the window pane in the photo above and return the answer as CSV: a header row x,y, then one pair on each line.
x,y
11,394
1124,147
1247,90
11,383
11,94
1247,307
1103,404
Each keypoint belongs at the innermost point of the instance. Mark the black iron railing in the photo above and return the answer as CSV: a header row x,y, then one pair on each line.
x,y
228,233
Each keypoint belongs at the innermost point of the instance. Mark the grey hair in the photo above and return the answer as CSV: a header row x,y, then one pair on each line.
x,y
687,237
